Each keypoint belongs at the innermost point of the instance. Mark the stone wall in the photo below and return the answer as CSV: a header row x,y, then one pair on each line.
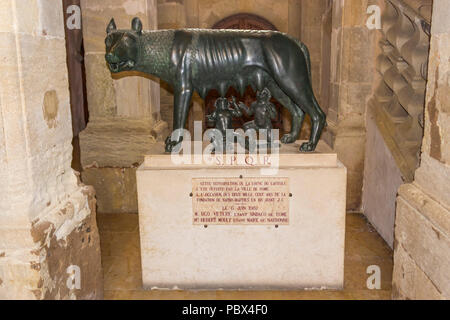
x,y
285,15
316,37
352,74
422,226
382,178
47,217
396,110
123,109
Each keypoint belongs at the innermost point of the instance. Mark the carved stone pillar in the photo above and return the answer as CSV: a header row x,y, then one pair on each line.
x,y
47,217
352,69
395,110
422,232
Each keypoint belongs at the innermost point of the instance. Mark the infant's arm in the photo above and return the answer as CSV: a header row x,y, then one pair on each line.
x,y
247,110
237,113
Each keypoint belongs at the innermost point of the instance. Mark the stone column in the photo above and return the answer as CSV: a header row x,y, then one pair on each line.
x,y
123,109
192,13
311,34
47,217
352,72
422,232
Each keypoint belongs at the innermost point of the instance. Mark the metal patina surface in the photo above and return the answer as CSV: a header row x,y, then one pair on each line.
x,y
205,59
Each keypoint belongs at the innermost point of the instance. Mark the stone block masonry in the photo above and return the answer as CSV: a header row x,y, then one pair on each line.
x,y
47,217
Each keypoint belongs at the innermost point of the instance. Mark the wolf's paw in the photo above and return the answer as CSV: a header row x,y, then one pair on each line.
x,y
307,147
288,138
173,146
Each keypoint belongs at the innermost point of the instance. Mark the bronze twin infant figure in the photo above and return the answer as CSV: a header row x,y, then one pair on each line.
x,y
203,59
262,109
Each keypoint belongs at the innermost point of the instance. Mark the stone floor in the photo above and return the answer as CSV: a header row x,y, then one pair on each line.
x,y
119,235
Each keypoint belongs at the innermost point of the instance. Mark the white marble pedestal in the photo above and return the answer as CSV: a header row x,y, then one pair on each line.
x,y
306,251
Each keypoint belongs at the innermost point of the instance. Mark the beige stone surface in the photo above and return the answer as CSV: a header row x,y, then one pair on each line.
x,y
171,15
6,17
438,8
349,144
119,142
123,108
68,237
433,177
43,204
125,95
422,253
111,150
410,281
97,14
115,188
34,17
352,69
308,253
310,32
101,94
382,178
137,96
121,258
422,230
213,11
437,133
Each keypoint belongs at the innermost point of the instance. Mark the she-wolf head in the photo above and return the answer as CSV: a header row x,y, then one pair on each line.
x,y
122,46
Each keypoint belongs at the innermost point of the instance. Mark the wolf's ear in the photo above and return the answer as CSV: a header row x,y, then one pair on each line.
x,y
111,26
136,25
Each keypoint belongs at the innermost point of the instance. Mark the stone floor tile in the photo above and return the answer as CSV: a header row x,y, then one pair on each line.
x,y
119,237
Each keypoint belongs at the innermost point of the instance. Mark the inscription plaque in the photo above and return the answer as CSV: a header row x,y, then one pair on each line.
x,y
240,201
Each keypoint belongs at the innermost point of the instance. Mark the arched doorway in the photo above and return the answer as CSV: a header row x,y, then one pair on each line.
x,y
243,21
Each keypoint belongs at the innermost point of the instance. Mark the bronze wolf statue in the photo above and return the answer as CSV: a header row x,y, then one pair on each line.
x,y
203,59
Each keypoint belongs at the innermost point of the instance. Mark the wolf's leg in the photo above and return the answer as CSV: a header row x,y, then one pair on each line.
x,y
183,91
290,69
297,114
305,98
295,83
318,122
182,100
